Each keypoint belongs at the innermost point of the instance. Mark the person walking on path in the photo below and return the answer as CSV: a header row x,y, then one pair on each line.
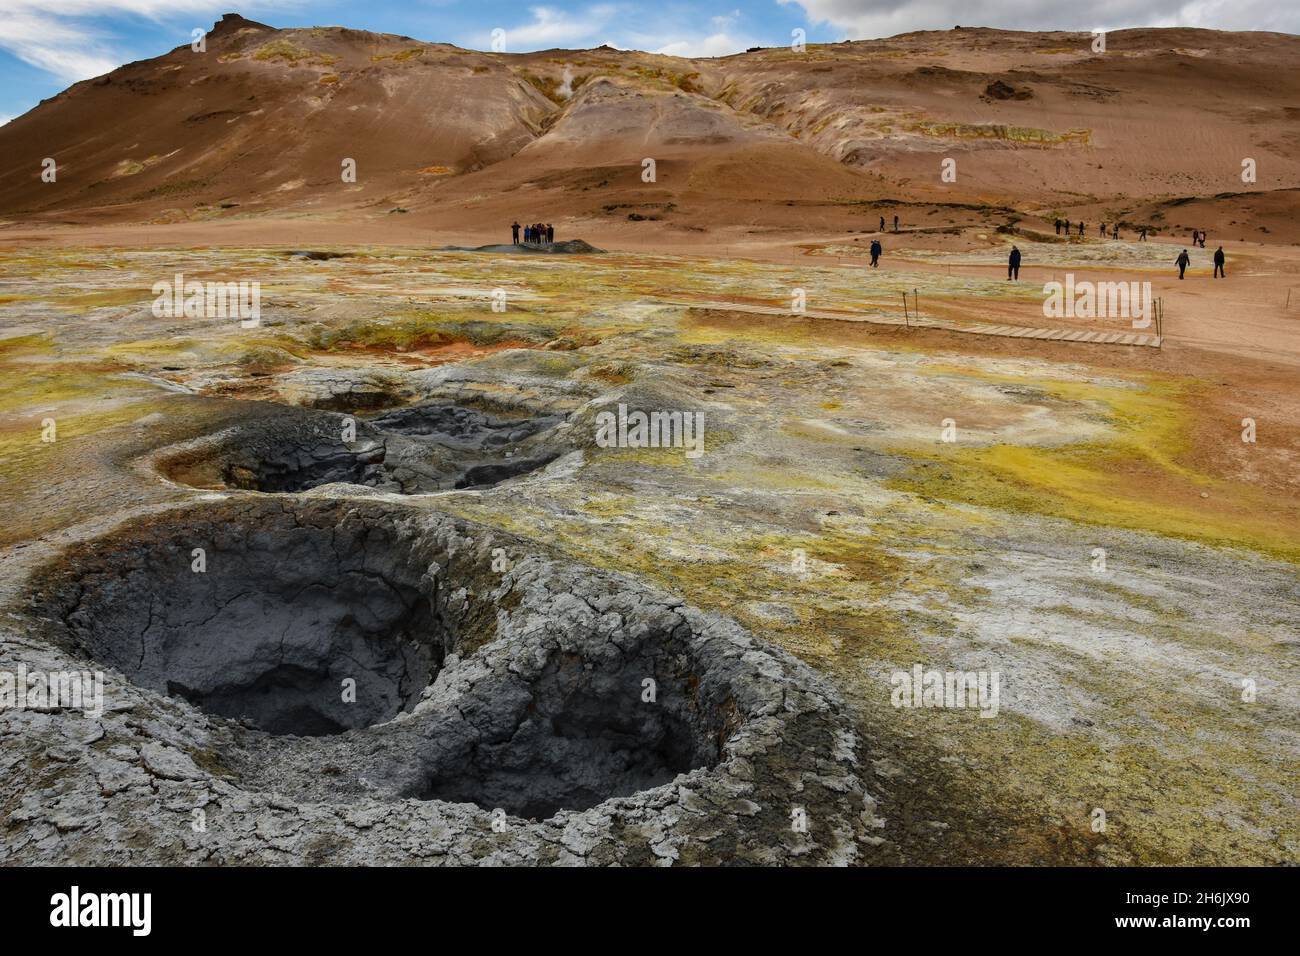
x,y
1013,264
895,224
1142,236
514,233
1183,261
1058,227
1067,228
1081,228
882,224
1219,259
876,250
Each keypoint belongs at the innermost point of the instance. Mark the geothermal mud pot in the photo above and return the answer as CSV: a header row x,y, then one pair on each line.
x,y
431,446
356,681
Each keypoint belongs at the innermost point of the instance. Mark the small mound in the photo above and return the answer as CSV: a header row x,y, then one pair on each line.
x,y
568,246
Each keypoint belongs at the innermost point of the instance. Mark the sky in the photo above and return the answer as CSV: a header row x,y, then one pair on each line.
x,y
46,45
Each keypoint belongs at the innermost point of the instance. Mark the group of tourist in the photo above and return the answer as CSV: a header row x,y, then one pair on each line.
x,y
1064,225
539,233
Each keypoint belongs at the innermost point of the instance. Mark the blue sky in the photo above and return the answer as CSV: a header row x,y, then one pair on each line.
x,y
46,45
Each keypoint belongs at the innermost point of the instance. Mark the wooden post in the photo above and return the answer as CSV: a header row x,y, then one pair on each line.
x,y
905,322
916,305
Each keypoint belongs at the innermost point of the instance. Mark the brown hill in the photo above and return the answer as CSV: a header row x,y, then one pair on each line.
x,y
262,121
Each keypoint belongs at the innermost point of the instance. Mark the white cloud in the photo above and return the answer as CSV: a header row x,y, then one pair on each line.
x,y
715,44
53,46
613,25
882,18
61,38
553,28
726,21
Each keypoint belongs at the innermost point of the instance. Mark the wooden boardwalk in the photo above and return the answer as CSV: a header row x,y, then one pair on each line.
x,y
1139,339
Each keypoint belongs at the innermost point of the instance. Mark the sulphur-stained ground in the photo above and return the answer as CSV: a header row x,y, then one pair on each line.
x,y
1085,522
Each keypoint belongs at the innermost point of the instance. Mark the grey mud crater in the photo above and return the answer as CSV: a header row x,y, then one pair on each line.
x,y
435,445
602,720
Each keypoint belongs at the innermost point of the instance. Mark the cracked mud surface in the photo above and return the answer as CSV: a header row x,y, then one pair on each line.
x,y
538,719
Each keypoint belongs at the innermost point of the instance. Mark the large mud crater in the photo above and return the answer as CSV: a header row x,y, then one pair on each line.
x,y
264,622
317,618
365,679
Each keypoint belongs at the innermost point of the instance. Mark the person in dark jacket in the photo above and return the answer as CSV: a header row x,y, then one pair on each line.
x,y
876,250
1183,261
1115,234
1058,227
1067,227
882,224
1013,264
1218,263
1103,230
1081,228
550,233
895,224
514,233
1142,236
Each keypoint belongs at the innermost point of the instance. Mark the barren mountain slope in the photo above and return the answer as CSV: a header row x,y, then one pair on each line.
x,y
263,120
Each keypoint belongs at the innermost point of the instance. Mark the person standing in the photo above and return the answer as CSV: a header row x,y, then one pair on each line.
x,y
1219,260
550,233
895,223
876,250
1103,230
514,233
1183,261
1013,264
1058,227
1080,228
882,224
1142,235
1115,234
